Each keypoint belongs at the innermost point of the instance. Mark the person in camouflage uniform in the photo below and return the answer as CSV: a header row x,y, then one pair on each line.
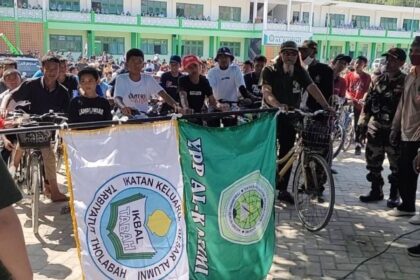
x,y
375,124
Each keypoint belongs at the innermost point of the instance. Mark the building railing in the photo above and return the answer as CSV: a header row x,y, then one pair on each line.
x,y
8,13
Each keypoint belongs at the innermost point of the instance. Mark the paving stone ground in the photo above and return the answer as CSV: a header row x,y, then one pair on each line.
x,y
356,231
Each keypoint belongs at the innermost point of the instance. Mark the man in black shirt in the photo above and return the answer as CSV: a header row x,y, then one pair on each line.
x,y
45,94
169,81
66,79
194,88
252,79
321,74
282,86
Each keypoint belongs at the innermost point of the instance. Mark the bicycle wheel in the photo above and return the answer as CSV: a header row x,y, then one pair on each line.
x,y
338,140
35,182
314,192
349,135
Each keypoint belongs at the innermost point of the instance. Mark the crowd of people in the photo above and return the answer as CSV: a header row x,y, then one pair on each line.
x,y
386,104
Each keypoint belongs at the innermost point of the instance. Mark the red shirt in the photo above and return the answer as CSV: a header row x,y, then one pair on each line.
x,y
340,86
357,85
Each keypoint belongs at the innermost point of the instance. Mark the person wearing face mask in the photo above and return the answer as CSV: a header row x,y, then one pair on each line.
x,y
405,131
375,124
321,74
282,87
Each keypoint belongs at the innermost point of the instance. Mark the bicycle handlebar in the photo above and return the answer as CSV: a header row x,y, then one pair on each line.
x,y
303,113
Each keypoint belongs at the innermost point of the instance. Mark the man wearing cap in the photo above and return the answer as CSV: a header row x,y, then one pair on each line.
x,y
375,123
358,83
406,130
194,88
338,65
169,80
321,74
282,86
226,79
252,79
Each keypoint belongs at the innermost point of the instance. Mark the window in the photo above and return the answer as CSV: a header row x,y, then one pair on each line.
x,y
153,8
411,25
111,45
360,21
64,5
334,20
66,43
189,10
235,47
229,13
193,47
21,4
6,3
296,17
108,6
154,46
388,23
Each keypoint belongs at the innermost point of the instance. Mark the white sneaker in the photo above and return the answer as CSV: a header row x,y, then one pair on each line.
x,y
415,220
398,213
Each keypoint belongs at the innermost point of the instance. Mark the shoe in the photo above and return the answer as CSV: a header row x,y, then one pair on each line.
x,y
393,202
415,220
358,150
414,251
286,197
372,197
400,213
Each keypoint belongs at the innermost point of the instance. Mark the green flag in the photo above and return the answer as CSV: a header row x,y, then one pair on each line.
x,y
229,174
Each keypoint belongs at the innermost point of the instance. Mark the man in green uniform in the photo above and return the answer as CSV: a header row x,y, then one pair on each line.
x,y
376,120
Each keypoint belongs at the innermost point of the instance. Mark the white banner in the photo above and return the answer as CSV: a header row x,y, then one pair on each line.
x,y
127,191
271,37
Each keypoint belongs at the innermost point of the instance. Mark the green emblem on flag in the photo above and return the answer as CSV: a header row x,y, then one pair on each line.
x,y
244,209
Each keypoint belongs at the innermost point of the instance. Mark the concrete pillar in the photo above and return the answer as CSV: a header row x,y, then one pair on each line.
x,y
211,46
311,16
327,51
265,15
372,52
90,43
289,13
255,11
347,47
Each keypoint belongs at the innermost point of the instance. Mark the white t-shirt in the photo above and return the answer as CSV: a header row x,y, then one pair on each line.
x,y
136,94
225,83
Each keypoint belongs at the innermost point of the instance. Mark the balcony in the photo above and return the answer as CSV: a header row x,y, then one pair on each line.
x,y
30,14
232,25
345,31
399,34
6,12
201,24
69,16
159,21
116,19
372,33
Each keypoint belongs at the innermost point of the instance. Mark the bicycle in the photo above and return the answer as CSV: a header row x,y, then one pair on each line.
x,y
347,121
29,175
313,183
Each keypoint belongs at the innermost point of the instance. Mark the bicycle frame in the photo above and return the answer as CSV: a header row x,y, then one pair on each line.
x,y
290,158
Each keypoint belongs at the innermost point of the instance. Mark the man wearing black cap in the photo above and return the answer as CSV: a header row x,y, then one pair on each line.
x,y
375,122
282,87
358,83
338,65
226,80
169,81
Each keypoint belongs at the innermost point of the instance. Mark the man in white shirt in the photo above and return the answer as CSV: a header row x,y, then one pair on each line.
x,y
133,90
226,80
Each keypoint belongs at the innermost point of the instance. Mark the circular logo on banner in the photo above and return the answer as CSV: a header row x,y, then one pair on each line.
x,y
133,227
245,209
